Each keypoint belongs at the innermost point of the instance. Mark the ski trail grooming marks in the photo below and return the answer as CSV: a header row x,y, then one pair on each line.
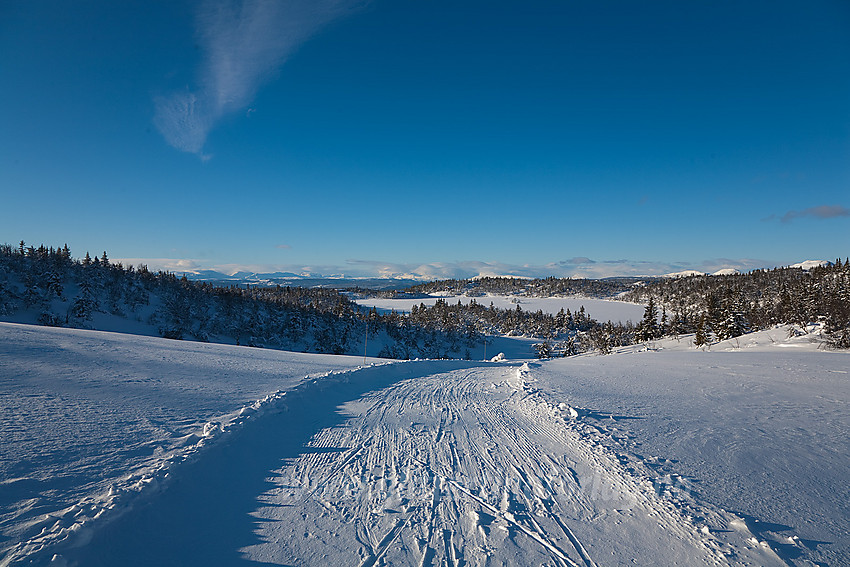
x,y
467,467
301,408
537,534
352,454
385,543
457,465
573,539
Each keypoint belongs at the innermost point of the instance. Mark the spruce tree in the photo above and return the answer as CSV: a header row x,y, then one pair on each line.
x,y
701,336
648,328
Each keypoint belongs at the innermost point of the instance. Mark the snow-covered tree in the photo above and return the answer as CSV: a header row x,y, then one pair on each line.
x,y
648,329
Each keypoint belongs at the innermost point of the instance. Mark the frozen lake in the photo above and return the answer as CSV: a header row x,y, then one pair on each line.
x,y
600,309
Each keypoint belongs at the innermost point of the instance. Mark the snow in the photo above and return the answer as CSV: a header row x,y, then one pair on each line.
x,y
399,477
750,426
600,309
505,276
810,264
128,450
689,273
90,418
683,274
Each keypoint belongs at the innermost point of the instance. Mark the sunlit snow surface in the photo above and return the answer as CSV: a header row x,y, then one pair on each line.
x,y
759,425
127,450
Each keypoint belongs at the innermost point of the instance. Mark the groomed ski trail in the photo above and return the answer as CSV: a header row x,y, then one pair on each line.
x,y
445,463
466,467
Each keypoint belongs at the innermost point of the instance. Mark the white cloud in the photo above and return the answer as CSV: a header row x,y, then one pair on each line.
x,y
243,43
183,121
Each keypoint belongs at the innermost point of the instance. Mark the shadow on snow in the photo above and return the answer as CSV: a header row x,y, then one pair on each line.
x,y
204,515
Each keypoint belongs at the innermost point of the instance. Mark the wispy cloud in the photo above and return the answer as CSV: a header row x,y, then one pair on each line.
x,y
821,212
578,260
283,247
243,43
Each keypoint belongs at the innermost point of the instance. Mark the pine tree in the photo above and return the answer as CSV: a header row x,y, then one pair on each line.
x,y
713,313
838,313
648,328
543,350
85,304
701,336
733,321
601,339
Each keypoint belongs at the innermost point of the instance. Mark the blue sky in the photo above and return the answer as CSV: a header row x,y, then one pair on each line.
x,y
435,138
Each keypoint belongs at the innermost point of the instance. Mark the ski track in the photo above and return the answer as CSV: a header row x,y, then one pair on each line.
x,y
467,468
419,463
422,463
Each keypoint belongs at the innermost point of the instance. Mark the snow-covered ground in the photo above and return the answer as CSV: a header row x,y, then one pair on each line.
x,y
127,450
89,418
758,425
600,309
457,466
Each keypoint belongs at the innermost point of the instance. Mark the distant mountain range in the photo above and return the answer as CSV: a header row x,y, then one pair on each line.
x,y
805,265
242,278
292,279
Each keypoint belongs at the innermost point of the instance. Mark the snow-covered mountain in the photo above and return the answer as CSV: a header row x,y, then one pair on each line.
x,y
300,280
805,265
810,264
684,274
401,280
726,272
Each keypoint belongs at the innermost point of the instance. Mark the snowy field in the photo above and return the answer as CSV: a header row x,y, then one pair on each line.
x,y
600,309
759,426
89,415
127,450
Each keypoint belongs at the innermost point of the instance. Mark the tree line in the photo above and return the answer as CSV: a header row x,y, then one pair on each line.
x,y
62,291
532,287
59,290
723,307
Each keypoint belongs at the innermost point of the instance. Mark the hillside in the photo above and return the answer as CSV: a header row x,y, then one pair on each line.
x,y
45,285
